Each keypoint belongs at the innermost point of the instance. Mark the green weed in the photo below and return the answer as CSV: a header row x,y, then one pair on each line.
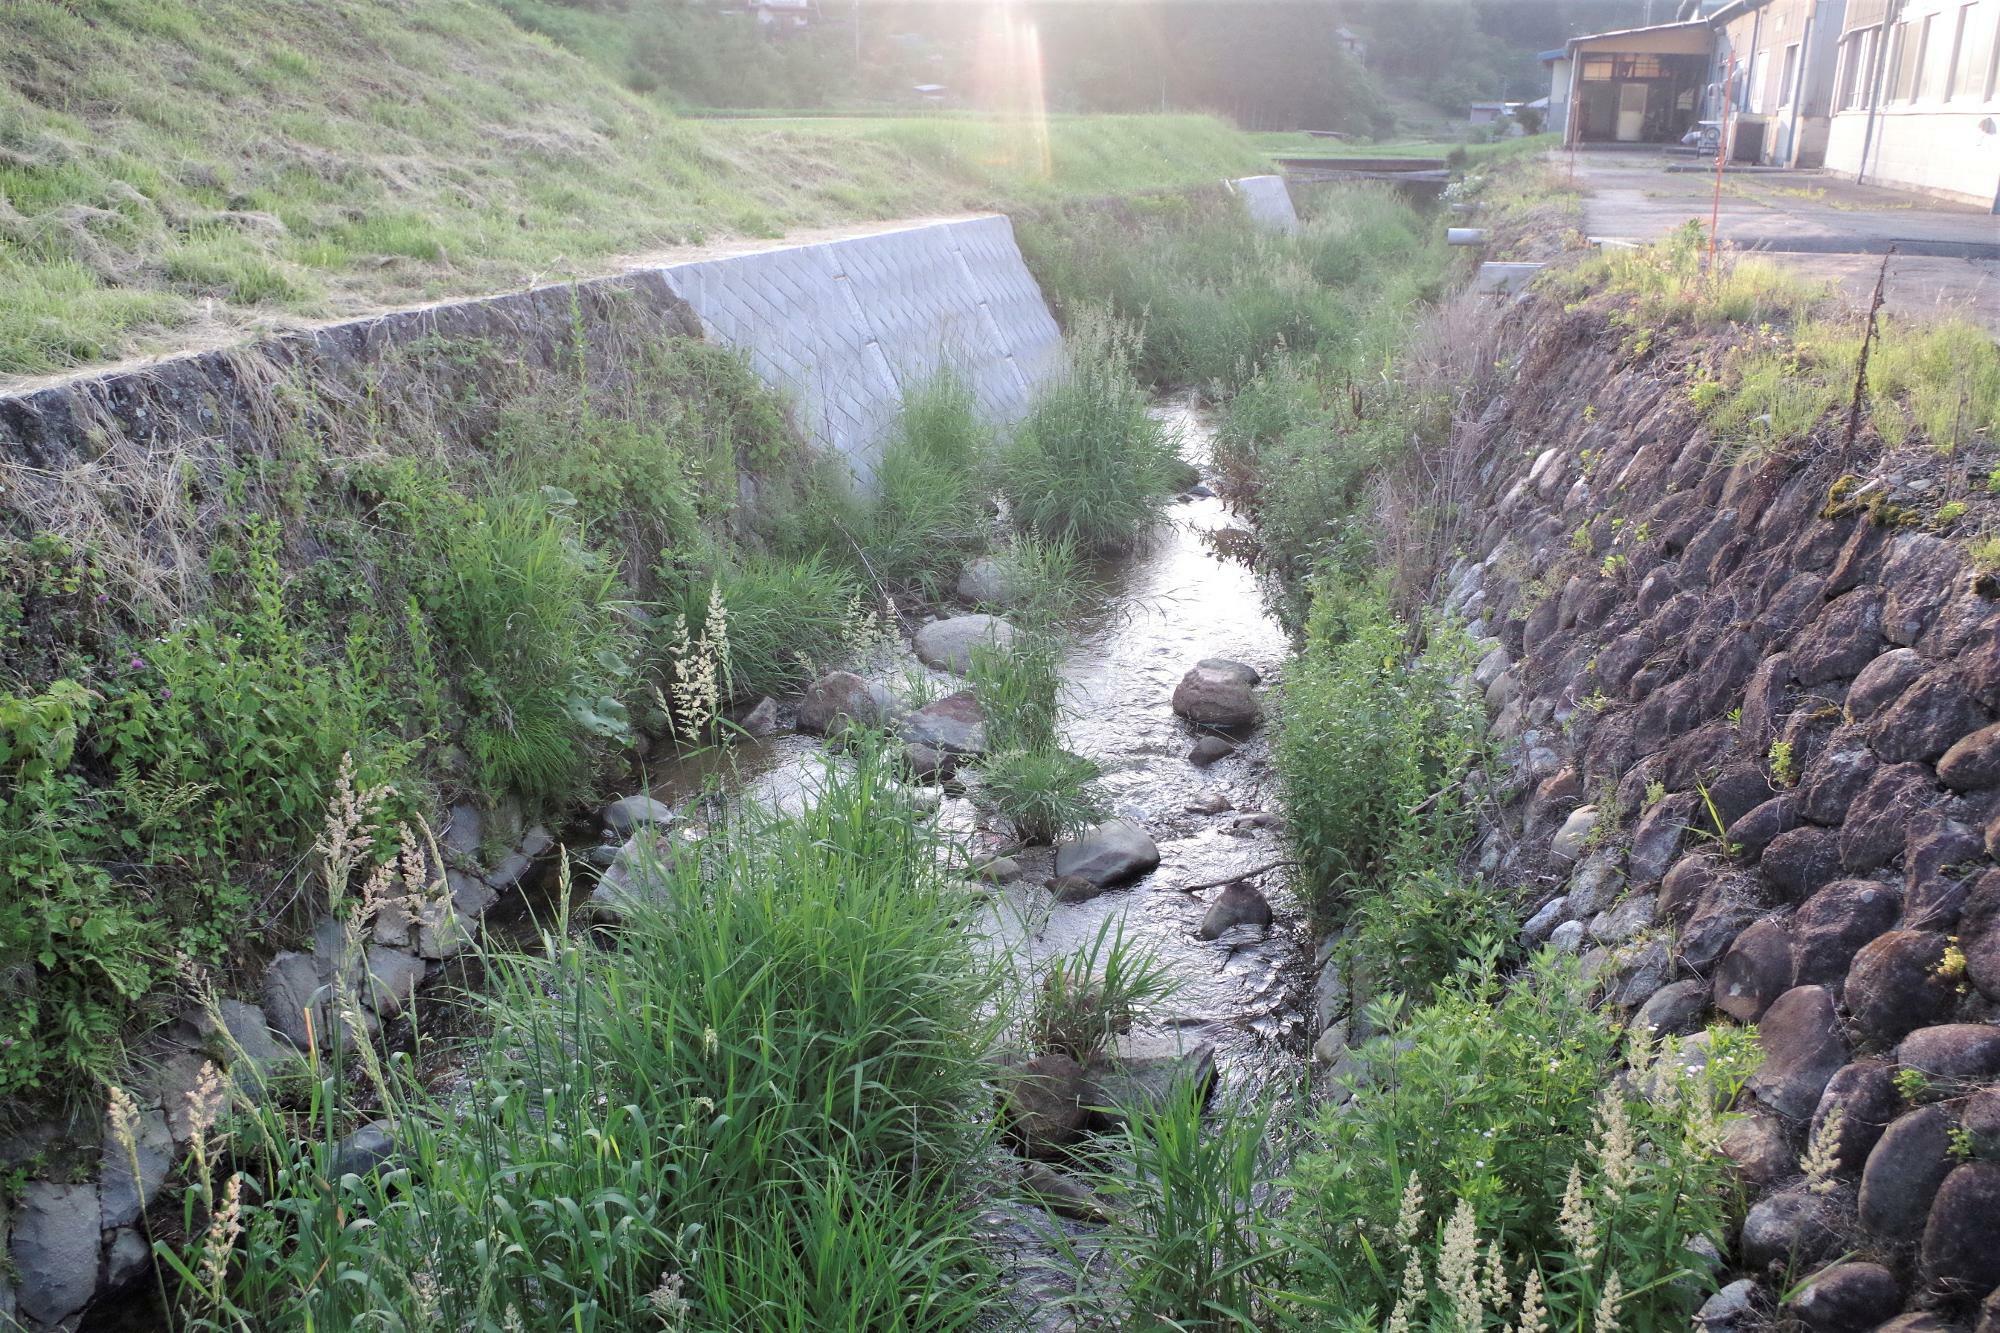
x,y
1090,464
742,1109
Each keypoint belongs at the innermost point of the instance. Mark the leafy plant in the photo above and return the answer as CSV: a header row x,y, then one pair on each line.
x,y
1371,740
1483,1140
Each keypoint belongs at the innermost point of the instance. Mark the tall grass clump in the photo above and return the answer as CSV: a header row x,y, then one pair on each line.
x,y
1672,282
746,1107
1485,1170
1940,382
787,620
527,606
932,485
1028,778
1193,1244
1089,464
1375,732
1218,296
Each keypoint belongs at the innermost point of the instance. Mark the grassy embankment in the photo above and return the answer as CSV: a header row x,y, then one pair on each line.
x,y
178,170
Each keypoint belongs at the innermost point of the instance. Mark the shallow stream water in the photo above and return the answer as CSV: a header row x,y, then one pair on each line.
x,y
1156,612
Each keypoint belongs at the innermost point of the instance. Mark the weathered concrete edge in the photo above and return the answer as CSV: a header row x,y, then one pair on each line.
x,y
840,327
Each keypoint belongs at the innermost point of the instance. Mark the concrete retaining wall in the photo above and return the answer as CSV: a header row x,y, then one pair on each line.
x,y
840,327
1268,203
844,327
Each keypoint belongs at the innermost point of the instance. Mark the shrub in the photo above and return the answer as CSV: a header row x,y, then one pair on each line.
x,y
136,807
742,1109
1482,1133
1090,464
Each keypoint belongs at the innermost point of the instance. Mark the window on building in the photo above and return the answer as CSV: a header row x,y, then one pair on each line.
x,y
1760,83
1857,72
1871,67
1902,64
1788,80
1931,59
1993,63
1968,59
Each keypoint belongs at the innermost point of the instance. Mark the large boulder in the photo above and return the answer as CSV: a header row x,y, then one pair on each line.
x,y
1043,1104
1954,1054
1847,1298
1117,1086
1835,923
1219,693
1904,1171
1844,639
1675,1009
1959,1256
1803,1049
947,644
841,697
953,725
991,581
1760,1147
1927,719
1236,905
1788,1230
1859,1103
1973,762
624,816
1894,985
54,1249
1111,853
1879,816
1755,972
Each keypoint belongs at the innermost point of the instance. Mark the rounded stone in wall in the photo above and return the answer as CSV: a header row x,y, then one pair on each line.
x,y
1894,985
1803,1049
1847,1298
1903,1173
1835,923
1960,1258
1755,972
1864,1098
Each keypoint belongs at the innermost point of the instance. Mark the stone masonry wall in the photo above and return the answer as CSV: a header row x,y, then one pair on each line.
x,y
1751,770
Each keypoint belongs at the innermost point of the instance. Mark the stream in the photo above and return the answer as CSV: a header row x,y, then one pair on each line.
x,y
1178,598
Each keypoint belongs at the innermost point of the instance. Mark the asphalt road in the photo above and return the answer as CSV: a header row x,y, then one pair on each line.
x,y
1947,255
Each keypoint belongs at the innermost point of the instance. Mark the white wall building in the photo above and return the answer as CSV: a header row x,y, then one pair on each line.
x,y
1916,97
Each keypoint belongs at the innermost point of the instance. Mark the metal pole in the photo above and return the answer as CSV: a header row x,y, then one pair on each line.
x,y
1881,72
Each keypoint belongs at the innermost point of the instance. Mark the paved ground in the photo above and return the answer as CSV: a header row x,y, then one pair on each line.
x,y
1948,255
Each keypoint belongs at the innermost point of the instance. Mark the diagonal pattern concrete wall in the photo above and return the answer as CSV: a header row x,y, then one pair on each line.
x,y
844,327
1268,202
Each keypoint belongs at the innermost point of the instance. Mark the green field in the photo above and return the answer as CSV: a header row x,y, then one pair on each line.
x,y
176,171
